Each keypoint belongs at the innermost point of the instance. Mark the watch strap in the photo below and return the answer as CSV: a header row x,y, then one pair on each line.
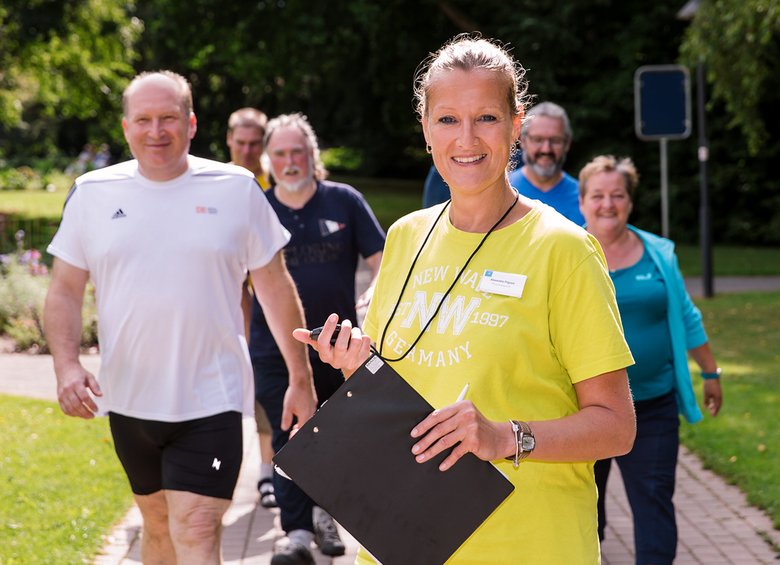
x,y
520,429
709,376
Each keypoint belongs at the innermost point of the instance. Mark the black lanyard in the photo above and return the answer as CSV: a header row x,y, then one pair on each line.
x,y
454,282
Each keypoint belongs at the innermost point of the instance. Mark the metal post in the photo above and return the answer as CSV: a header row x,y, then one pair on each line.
x,y
705,233
664,189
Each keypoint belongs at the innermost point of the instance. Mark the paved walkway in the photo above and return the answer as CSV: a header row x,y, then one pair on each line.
x,y
733,284
716,525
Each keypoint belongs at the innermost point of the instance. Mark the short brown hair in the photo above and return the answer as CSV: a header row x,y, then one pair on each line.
x,y
248,118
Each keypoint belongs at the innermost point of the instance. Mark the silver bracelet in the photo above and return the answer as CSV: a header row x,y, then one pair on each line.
x,y
516,430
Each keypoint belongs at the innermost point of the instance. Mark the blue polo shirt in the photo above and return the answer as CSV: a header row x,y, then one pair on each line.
x,y
564,196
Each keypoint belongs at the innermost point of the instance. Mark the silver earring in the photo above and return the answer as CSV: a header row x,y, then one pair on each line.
x,y
428,149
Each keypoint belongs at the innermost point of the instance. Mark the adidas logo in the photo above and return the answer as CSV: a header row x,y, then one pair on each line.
x,y
118,214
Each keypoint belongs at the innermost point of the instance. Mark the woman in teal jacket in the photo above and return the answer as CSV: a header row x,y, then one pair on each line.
x,y
662,326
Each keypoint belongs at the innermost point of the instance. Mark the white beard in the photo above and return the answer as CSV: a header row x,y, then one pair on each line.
x,y
294,186
298,185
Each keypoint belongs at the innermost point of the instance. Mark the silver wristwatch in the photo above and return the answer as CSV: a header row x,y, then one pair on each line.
x,y
524,441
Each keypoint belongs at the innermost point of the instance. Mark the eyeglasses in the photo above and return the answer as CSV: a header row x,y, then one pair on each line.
x,y
538,140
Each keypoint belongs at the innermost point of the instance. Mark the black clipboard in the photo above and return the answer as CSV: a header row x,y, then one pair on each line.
x,y
353,458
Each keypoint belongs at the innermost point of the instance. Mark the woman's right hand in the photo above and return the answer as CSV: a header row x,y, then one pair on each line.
x,y
350,350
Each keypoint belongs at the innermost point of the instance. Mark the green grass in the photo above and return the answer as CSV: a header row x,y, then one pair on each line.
x,y
389,198
36,212
28,204
731,260
62,485
742,444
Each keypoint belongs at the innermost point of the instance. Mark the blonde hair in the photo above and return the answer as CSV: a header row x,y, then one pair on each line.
x,y
610,164
468,52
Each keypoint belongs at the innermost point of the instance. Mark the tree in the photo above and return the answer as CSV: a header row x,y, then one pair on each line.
x,y
62,63
738,41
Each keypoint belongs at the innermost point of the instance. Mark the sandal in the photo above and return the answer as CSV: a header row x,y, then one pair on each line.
x,y
267,496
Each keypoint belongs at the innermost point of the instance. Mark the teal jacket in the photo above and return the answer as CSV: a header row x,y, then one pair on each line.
x,y
685,327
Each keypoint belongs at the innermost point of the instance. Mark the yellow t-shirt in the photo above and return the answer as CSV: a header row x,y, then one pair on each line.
x,y
520,356
263,181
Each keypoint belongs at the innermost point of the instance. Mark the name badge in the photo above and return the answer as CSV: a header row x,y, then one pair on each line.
x,y
507,284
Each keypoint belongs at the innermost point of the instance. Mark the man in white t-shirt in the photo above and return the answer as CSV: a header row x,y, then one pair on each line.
x,y
167,240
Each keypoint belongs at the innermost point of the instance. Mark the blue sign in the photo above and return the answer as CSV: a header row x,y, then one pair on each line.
x,y
662,102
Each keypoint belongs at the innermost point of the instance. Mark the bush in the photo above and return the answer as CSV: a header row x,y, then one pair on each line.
x,y
20,178
342,159
24,280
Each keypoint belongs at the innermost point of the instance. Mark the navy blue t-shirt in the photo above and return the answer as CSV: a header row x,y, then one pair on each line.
x,y
328,234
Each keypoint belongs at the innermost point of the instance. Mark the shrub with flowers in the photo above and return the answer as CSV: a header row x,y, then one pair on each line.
x,y
24,280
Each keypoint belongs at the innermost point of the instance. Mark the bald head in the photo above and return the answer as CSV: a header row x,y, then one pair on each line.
x,y
164,79
159,124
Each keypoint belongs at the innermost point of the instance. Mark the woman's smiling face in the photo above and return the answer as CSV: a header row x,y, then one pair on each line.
x,y
470,128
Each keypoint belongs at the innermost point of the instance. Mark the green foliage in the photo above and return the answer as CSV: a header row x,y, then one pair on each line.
x,y
63,487
62,61
19,178
342,159
24,281
743,443
349,64
738,41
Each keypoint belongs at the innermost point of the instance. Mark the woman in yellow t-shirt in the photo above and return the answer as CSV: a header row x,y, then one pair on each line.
x,y
502,293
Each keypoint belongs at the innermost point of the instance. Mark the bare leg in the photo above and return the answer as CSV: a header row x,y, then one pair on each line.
x,y
266,450
196,526
156,545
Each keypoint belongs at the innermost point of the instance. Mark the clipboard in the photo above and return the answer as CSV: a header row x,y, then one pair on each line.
x,y
354,459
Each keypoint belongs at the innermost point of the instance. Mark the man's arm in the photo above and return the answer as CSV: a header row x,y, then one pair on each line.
x,y
276,292
62,324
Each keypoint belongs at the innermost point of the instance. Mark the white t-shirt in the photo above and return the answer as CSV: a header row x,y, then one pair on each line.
x,y
168,260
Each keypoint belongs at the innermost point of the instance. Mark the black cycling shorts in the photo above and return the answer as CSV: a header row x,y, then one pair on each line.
x,y
202,456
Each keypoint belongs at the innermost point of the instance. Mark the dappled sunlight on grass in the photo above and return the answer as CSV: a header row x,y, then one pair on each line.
x,y
62,485
743,442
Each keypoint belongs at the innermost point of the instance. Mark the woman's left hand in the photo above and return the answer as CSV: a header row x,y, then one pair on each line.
x,y
463,426
713,396
349,352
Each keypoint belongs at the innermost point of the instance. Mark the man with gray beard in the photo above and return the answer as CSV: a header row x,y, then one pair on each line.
x,y
545,140
331,226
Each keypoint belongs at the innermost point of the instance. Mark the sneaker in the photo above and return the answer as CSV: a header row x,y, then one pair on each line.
x,y
292,554
267,497
326,535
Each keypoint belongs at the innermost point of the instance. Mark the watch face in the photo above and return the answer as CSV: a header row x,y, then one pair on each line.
x,y
528,443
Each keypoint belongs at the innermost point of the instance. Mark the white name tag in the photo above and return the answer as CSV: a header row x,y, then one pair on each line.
x,y
507,284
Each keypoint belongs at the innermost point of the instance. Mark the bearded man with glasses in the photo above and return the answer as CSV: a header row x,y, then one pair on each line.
x,y
545,141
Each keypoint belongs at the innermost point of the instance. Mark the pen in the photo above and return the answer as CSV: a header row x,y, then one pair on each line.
x,y
462,394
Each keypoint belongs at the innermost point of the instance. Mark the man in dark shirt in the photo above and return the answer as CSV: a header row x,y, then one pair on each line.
x,y
331,226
